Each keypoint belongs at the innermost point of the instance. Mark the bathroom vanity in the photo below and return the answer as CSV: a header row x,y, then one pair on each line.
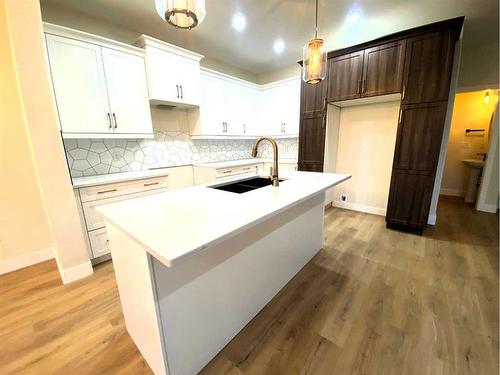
x,y
194,266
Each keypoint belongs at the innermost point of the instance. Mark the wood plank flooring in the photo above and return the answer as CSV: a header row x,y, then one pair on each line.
x,y
373,301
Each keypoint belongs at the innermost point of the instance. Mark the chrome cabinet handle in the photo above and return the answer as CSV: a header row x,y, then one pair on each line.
x,y
359,87
226,172
403,96
177,87
284,127
244,128
363,88
399,118
116,122
109,121
106,191
151,183
182,94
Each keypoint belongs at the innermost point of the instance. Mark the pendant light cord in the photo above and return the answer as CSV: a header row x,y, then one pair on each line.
x,y
316,29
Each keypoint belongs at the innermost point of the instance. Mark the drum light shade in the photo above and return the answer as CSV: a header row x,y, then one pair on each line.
x,y
182,14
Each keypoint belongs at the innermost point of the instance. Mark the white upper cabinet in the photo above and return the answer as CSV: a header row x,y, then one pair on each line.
x,y
79,85
280,108
127,92
173,73
228,107
100,86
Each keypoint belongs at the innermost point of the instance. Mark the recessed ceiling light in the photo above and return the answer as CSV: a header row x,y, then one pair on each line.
x,y
353,16
279,46
239,22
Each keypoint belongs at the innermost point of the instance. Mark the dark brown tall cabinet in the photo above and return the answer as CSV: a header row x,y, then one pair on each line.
x,y
416,63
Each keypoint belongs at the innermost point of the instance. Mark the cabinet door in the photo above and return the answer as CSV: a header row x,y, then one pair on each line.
x,y
312,99
189,81
344,77
410,198
127,92
419,136
428,65
250,109
270,118
383,69
163,75
291,107
79,86
210,121
312,144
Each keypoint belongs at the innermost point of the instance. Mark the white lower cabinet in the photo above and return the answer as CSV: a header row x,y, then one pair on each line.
x,y
88,198
205,174
99,242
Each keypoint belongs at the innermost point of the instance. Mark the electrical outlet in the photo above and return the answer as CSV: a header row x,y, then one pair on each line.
x,y
343,197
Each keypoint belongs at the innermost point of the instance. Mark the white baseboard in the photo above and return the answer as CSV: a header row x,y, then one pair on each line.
x,y
452,192
360,207
26,260
78,272
486,207
431,220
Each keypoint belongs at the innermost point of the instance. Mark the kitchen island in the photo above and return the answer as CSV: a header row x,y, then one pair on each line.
x,y
194,266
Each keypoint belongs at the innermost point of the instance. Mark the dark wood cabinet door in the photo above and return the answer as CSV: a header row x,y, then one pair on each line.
x,y
419,136
428,66
383,69
344,76
410,198
312,98
312,143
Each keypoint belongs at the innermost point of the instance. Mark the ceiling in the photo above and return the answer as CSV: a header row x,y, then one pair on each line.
x,y
341,23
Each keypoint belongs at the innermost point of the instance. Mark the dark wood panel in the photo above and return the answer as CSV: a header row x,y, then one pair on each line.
x,y
383,69
410,198
344,77
419,135
312,99
453,24
312,143
428,66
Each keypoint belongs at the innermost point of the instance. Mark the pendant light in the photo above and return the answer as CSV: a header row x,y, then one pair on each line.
x,y
314,58
182,14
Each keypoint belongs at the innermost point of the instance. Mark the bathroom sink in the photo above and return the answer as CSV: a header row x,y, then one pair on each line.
x,y
242,186
474,163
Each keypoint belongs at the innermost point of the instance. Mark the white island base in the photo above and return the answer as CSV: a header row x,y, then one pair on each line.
x,y
180,314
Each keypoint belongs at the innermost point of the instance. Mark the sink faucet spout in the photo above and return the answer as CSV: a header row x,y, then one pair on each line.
x,y
274,169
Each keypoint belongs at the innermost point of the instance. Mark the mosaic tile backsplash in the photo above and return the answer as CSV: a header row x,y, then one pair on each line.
x,y
88,157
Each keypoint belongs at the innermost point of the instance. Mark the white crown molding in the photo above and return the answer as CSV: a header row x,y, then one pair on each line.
x,y
145,41
218,75
26,260
49,28
281,82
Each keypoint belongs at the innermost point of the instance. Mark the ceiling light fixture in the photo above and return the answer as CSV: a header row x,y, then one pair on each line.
x,y
314,58
239,22
182,14
279,46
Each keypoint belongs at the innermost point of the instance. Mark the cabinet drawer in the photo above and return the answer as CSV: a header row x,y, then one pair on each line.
x,y
247,169
99,242
121,188
93,218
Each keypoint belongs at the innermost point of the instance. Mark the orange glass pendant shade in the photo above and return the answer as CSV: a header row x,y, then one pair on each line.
x,y
314,61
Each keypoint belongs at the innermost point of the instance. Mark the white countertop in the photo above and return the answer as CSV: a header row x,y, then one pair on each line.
x,y
171,225
79,182
237,163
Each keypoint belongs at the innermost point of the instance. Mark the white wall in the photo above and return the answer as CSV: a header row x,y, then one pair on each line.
x,y
366,141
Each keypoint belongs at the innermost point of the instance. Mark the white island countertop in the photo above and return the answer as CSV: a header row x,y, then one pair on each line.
x,y
174,224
